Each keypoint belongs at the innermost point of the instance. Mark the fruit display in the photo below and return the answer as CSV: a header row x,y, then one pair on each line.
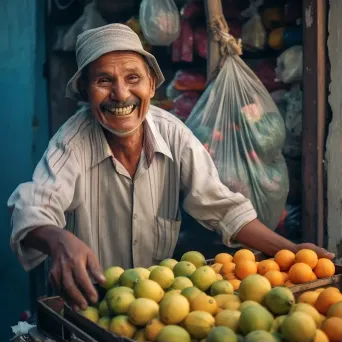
x,y
232,298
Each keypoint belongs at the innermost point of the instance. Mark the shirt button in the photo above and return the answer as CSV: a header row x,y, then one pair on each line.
x,y
135,242
135,216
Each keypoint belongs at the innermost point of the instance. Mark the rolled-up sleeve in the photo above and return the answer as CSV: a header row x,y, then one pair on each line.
x,y
205,197
44,200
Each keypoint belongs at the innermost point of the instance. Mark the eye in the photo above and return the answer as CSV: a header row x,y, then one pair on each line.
x,y
104,80
133,78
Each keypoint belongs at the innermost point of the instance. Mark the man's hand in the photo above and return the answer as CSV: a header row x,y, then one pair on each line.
x,y
256,235
73,265
321,252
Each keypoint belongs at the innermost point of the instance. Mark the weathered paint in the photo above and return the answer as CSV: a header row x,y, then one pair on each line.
x,y
20,84
308,16
334,142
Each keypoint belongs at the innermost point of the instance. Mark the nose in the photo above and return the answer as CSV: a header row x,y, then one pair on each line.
x,y
120,91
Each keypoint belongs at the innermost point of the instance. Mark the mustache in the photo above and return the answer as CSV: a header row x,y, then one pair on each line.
x,y
119,104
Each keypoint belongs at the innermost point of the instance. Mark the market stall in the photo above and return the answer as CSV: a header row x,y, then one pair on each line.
x,y
270,164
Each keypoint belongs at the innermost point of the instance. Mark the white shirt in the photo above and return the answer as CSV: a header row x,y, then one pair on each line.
x,y
80,186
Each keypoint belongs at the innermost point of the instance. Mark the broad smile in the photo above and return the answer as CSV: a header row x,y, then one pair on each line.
x,y
122,111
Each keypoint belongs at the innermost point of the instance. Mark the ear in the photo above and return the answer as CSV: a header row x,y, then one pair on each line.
x,y
82,87
153,82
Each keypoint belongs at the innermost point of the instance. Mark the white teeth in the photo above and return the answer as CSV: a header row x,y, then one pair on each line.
x,y
123,111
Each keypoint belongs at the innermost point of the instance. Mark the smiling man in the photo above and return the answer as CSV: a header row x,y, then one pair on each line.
x,y
107,190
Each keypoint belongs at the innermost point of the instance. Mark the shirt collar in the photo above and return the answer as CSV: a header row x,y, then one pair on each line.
x,y
153,142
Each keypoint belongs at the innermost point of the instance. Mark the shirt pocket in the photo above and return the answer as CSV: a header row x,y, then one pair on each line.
x,y
165,237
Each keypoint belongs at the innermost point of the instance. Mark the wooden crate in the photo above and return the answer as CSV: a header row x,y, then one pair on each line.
x,y
71,325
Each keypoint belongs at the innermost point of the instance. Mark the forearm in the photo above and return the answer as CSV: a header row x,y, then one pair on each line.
x,y
42,238
257,236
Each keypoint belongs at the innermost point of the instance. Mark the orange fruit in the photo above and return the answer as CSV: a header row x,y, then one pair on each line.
x,y
216,267
229,276
285,259
321,336
244,268
335,310
300,273
218,276
326,299
332,327
289,283
228,267
276,278
313,276
223,258
308,297
243,254
235,283
286,276
325,268
307,256
321,289
267,265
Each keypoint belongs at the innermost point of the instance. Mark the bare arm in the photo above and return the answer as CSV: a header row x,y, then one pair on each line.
x,y
256,235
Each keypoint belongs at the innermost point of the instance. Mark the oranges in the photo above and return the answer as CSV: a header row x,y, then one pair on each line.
x,y
244,268
295,268
300,273
324,268
307,256
228,267
267,265
223,258
285,259
276,278
332,327
243,254
327,298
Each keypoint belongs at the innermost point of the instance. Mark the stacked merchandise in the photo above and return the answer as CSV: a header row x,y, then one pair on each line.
x,y
189,83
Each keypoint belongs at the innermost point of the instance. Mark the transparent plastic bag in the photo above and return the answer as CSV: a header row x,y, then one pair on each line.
x,y
253,33
290,65
160,21
239,124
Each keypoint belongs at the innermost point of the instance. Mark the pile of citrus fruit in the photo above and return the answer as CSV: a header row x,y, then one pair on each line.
x,y
233,300
286,268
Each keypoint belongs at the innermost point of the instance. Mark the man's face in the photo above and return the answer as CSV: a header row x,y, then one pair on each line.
x,y
119,87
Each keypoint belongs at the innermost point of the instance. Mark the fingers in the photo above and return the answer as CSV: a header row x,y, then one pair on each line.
x,y
95,269
323,253
70,287
82,278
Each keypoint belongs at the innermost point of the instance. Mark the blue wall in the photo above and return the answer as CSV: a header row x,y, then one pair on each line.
x,y
22,96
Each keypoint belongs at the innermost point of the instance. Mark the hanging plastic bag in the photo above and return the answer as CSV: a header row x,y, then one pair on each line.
x,y
239,124
160,21
290,65
253,32
90,19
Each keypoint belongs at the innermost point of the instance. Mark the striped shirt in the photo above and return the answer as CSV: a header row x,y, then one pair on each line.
x,y
80,186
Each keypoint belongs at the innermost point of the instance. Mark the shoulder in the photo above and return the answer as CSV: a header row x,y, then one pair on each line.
x,y
166,121
73,131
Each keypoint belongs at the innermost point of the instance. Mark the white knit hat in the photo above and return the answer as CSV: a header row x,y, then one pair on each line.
x,y
94,43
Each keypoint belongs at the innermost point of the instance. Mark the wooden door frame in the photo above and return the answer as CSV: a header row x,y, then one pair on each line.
x,y
314,119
